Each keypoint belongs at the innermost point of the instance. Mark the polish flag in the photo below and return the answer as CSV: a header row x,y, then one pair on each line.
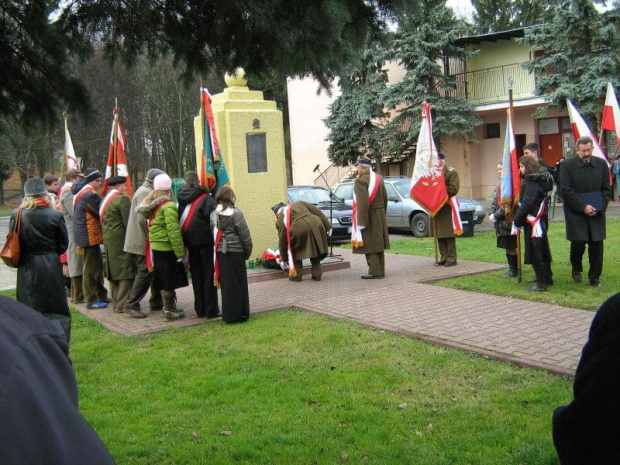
x,y
611,113
428,186
70,158
581,129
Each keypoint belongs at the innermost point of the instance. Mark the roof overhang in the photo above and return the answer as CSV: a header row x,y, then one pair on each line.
x,y
492,37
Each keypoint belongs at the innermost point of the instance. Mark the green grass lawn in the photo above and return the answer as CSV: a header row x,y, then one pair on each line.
x,y
291,387
565,292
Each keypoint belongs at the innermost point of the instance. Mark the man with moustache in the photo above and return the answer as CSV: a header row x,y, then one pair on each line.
x,y
585,188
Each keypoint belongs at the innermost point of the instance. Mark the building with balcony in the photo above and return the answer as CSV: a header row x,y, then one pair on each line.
x,y
484,80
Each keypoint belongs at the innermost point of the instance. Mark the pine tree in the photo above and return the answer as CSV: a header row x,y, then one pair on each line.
x,y
424,40
580,46
497,15
357,116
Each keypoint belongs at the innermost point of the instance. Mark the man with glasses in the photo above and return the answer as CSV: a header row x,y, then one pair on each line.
x,y
585,188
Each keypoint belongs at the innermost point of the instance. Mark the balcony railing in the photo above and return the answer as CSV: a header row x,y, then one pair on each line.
x,y
491,85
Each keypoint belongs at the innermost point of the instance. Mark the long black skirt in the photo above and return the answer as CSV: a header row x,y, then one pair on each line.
x,y
234,287
168,273
537,249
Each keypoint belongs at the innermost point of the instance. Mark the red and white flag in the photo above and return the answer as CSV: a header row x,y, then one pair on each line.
x,y
611,113
117,158
70,158
581,129
428,186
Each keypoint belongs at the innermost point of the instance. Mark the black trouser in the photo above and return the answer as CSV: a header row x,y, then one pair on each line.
x,y
595,256
202,269
141,285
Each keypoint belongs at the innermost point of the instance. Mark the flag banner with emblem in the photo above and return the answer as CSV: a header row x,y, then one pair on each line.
x,y
510,182
69,162
117,156
581,129
209,161
428,186
611,113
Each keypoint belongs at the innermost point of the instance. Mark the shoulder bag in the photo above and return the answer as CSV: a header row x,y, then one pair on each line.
x,y
10,251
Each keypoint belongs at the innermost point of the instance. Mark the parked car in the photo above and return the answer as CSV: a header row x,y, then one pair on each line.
x,y
338,212
404,212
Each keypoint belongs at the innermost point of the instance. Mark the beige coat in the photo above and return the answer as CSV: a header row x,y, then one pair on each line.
x,y
309,228
373,217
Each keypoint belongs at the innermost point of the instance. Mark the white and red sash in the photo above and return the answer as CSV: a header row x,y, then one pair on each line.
x,y
535,221
373,187
217,234
86,188
189,211
457,225
105,203
148,253
292,271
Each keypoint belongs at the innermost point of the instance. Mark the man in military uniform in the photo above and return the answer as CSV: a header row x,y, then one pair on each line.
x,y
443,218
302,232
370,233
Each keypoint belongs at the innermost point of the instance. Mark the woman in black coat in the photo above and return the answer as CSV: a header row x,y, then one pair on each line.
x,y
503,231
532,207
195,207
43,238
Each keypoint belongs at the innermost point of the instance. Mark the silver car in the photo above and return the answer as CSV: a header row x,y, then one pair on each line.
x,y
405,213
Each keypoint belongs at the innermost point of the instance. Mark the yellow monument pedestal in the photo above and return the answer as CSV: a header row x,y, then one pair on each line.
x,y
251,136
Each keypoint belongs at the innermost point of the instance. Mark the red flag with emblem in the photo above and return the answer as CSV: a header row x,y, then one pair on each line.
x,y
117,157
428,186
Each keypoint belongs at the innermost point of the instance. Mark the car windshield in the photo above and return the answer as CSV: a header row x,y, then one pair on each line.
x,y
312,195
403,187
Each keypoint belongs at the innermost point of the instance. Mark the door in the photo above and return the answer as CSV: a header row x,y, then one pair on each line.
x,y
551,148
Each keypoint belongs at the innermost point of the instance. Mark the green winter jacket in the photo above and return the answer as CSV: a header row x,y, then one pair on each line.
x,y
165,230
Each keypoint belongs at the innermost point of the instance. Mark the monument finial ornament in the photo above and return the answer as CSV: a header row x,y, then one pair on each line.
x,y
237,79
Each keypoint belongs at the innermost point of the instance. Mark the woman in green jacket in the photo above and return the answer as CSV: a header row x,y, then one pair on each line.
x,y
166,244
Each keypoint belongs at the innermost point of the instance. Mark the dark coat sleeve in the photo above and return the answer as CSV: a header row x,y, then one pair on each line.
x,y
528,204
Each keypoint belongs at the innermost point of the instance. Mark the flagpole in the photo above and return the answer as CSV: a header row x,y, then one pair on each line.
x,y
510,116
435,240
115,138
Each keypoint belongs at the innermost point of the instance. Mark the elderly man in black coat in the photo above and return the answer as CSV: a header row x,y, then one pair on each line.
x,y
585,188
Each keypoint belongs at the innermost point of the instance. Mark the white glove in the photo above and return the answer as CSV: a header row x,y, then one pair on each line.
x,y
361,228
284,266
329,233
492,218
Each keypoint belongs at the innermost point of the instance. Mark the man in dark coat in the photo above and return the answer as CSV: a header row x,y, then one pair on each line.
x,y
443,219
308,234
120,267
135,239
586,191
89,237
195,207
370,206
586,431
40,421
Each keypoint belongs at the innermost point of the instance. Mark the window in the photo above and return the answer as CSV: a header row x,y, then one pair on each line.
x,y
492,131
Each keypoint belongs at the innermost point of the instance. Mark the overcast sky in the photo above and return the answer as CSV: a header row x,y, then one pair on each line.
x,y
462,8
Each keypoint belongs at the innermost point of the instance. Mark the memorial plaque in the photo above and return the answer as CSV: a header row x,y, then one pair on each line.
x,y
257,153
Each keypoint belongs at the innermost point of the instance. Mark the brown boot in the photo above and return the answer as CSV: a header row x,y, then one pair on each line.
x,y
135,313
171,312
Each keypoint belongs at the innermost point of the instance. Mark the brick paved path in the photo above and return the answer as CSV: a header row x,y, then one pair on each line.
x,y
531,334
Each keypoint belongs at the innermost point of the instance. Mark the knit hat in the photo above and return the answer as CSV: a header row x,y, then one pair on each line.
x,y
115,180
73,173
91,174
162,182
276,208
150,174
35,186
